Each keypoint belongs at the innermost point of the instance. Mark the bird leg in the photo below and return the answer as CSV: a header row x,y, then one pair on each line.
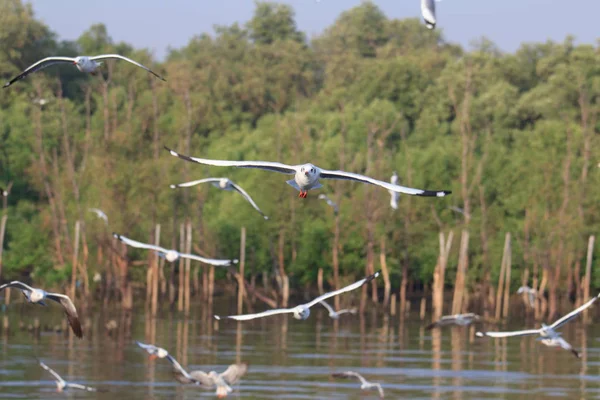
x,y
303,194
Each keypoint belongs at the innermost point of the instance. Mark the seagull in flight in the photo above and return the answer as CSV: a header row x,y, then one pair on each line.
x,y
531,294
173,255
395,195
336,314
37,296
548,334
99,213
330,203
61,384
457,319
306,176
364,384
224,184
83,63
428,13
302,311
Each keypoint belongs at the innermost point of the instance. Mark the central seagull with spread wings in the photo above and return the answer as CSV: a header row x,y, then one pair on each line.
x,y
61,384
302,311
37,296
548,334
306,176
364,384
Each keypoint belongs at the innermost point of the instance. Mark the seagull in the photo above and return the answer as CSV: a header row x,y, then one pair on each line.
x,y
336,314
306,176
158,352
365,384
428,13
302,311
531,294
3,192
214,379
330,203
99,213
457,319
173,255
61,385
395,195
548,334
38,296
83,63
225,184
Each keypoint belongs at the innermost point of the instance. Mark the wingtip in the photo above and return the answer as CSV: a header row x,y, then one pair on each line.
x,y
235,261
7,84
443,193
173,186
266,217
217,318
479,334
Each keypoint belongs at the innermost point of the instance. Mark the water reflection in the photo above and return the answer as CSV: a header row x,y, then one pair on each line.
x,y
292,359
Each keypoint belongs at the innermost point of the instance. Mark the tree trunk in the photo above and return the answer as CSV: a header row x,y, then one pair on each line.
x,y
336,262
154,306
588,273
508,265
463,260
240,302
439,275
75,257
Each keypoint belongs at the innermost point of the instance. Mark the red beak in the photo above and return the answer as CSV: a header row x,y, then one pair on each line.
x,y
306,173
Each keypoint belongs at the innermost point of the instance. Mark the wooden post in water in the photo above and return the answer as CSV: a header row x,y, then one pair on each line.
x,y
500,288
188,249
240,302
75,256
463,261
320,281
385,273
439,275
393,305
508,266
423,308
181,269
154,306
588,273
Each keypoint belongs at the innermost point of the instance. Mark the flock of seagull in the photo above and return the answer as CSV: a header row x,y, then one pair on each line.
x,y
306,177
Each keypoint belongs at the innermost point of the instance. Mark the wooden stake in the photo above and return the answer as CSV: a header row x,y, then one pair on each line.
x,y
588,273
501,279
75,256
463,261
186,293
423,308
2,230
439,275
393,305
181,269
508,265
320,281
385,273
240,302
154,306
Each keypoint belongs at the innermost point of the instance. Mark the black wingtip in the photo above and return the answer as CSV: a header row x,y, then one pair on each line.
x,y
430,326
7,84
371,277
116,235
575,353
435,193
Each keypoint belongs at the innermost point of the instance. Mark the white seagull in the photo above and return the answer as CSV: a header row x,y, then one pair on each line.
x,y
173,255
364,384
457,319
531,294
37,296
336,314
548,334
61,384
394,195
302,311
99,213
330,203
428,13
224,184
83,63
306,176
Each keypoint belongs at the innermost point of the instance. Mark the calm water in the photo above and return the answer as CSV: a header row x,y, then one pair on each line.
x,y
291,359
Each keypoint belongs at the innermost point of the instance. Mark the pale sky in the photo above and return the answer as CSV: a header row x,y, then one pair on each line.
x,y
158,24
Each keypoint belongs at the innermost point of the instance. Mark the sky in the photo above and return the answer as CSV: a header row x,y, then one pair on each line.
x,y
160,24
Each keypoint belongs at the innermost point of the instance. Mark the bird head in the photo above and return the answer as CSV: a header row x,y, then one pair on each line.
x,y
308,170
301,313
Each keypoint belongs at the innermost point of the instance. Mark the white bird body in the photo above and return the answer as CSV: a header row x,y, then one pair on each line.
x,y
87,64
302,311
224,184
428,13
173,255
37,296
306,176
364,384
547,333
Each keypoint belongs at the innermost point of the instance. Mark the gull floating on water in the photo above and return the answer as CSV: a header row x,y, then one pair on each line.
x,y
457,319
306,176
37,296
364,384
173,255
336,314
99,213
83,63
548,334
531,294
330,203
394,195
224,184
61,384
302,311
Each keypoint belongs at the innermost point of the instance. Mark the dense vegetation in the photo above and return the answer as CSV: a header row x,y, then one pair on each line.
x,y
513,135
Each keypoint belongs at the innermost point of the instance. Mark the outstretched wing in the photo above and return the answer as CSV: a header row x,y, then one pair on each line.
x,y
560,322
248,198
99,213
350,374
202,379
54,374
269,166
46,62
394,188
234,373
82,387
246,317
17,284
150,348
428,12
70,311
139,245
348,288
328,307
210,261
194,183
178,368
120,57
509,334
